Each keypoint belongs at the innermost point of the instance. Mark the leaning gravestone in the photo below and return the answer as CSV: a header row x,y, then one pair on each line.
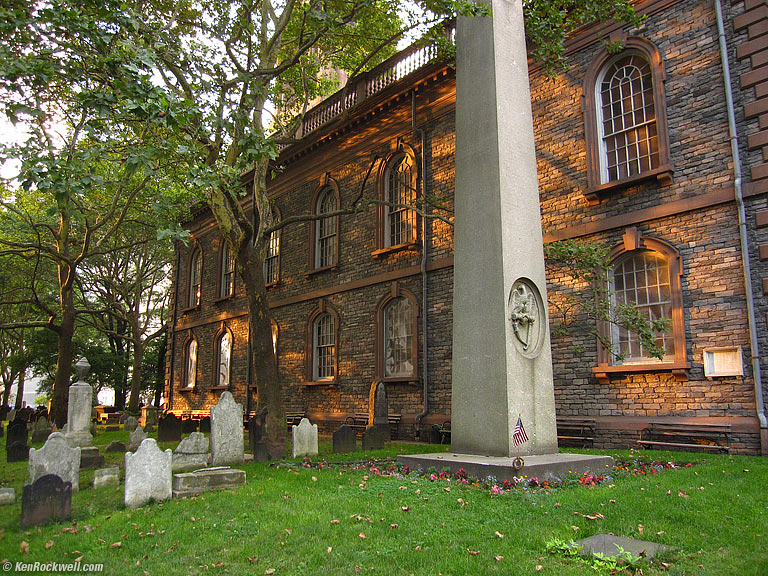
x,y
304,439
191,453
117,446
56,457
47,498
105,477
40,430
169,429
78,429
256,443
16,441
7,496
135,439
344,439
374,438
147,474
227,447
130,423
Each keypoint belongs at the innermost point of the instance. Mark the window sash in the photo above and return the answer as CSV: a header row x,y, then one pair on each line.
x,y
400,225
398,339
227,286
326,231
190,376
271,260
195,279
224,360
324,348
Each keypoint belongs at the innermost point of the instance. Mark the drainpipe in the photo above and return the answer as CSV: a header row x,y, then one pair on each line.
x,y
755,350
424,249
173,328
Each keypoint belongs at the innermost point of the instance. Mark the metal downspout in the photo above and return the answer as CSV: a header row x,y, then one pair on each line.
x,y
173,329
424,249
755,350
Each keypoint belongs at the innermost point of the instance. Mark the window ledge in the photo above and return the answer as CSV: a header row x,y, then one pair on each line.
x,y
397,248
189,309
217,388
186,389
401,379
678,368
321,270
223,299
663,174
274,284
320,382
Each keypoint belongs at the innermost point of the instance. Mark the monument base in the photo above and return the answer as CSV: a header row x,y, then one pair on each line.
x,y
543,466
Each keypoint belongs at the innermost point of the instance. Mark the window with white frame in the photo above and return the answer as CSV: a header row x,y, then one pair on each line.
x,y
195,278
324,347
399,194
627,118
190,364
326,230
399,358
272,258
227,264
223,359
641,279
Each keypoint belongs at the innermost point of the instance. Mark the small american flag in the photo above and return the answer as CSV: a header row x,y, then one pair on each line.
x,y
519,436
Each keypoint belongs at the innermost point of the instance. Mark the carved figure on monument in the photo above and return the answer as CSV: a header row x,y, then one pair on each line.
x,y
523,313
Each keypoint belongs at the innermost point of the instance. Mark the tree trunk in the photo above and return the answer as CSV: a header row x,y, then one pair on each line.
x,y
20,390
160,370
62,380
138,358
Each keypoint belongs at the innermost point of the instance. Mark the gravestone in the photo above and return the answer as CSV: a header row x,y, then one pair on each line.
x,y
16,441
344,439
205,424
169,429
130,423
304,438
105,477
90,457
135,439
78,428
147,474
47,498
256,443
223,478
374,438
56,457
381,410
2,429
7,496
191,453
150,418
40,430
117,446
227,432
188,426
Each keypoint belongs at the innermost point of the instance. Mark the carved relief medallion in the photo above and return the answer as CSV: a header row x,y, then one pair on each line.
x,y
526,312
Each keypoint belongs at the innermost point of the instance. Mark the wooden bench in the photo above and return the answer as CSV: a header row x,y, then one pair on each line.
x,y
359,422
576,432
708,437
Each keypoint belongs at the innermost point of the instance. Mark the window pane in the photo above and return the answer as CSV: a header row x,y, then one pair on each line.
x,y
225,353
195,278
227,286
324,347
191,374
326,229
271,260
398,338
400,220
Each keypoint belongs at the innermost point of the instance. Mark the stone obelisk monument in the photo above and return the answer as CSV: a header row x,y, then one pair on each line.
x,y
502,363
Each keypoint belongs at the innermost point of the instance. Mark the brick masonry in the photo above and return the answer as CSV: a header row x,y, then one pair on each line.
x,y
701,226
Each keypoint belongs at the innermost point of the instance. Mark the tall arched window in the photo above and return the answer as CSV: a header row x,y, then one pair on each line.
x,y
195,278
326,230
227,267
223,359
323,345
189,377
397,335
272,258
400,192
625,119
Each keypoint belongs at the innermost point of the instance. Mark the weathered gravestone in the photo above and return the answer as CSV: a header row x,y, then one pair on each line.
x,y
16,441
40,430
7,496
130,423
344,439
105,477
227,432
117,446
135,439
256,441
56,457
2,429
78,428
147,474
169,429
188,426
374,438
191,453
223,478
304,439
47,498
381,410
205,424
150,418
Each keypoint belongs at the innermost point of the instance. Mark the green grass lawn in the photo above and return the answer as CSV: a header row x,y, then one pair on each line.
x,y
339,520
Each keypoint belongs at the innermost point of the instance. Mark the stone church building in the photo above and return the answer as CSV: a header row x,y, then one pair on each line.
x,y
637,149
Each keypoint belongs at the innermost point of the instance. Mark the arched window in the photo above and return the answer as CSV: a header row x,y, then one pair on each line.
x,y
397,336
227,267
326,229
323,345
625,119
272,258
189,377
397,191
223,359
195,278
645,274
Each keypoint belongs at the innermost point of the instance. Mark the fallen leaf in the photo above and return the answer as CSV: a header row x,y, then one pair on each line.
x,y
49,545
447,489
640,528
499,534
24,547
100,541
574,528
362,535
682,494
334,521
473,552
218,564
330,548
499,558
116,545
403,487
612,501
557,504
253,559
664,565
660,533
405,508
78,559
539,567
172,548
393,526
418,548
269,571
289,531
314,478
70,530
